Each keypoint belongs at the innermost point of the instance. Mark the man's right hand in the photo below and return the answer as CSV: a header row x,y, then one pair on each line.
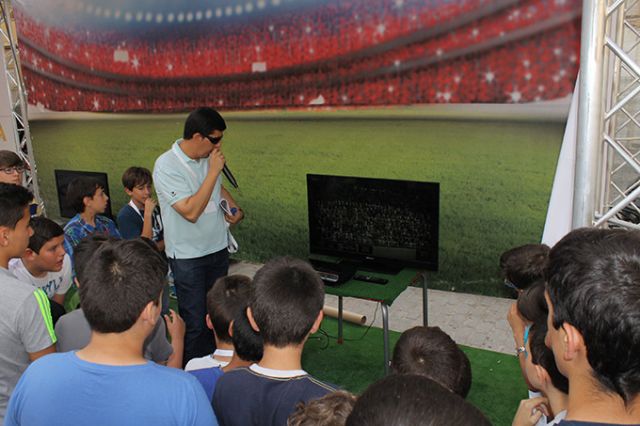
x,y
216,161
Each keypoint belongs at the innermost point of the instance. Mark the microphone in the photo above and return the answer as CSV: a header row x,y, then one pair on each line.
x,y
227,173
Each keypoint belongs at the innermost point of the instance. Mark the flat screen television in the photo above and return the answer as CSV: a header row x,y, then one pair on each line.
x,y
380,224
64,177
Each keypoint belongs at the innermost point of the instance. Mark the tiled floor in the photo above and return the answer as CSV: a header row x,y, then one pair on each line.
x,y
471,320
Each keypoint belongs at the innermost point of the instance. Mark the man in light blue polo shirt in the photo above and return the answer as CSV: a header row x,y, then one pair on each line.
x,y
189,185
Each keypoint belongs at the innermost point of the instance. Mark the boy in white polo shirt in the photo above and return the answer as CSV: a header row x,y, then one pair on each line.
x,y
45,264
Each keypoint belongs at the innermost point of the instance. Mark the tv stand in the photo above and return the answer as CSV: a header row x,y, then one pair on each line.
x,y
386,268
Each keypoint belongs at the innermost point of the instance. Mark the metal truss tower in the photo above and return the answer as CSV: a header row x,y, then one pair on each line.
x,y
607,173
17,96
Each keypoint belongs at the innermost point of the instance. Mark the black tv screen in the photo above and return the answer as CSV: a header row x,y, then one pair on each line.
x,y
64,177
378,221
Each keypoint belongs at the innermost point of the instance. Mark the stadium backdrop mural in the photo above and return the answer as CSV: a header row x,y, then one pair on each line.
x,y
316,86
127,55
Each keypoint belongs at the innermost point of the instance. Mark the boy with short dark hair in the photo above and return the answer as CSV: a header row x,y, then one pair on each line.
x,y
74,332
285,308
410,399
45,264
110,380
88,199
227,299
141,216
430,352
12,167
523,265
247,349
593,293
26,331
542,373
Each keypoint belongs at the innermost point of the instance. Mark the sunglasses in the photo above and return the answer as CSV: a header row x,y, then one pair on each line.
x,y
213,140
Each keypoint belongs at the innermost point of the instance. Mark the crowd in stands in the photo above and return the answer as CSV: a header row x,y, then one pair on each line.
x,y
538,68
519,53
575,323
284,40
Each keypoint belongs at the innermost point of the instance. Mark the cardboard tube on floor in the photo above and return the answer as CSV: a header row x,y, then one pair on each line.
x,y
351,317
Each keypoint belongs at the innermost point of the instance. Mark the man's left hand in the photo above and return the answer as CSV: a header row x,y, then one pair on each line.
x,y
235,218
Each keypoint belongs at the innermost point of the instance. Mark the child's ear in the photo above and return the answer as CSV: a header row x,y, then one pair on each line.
x,y
86,200
150,313
317,322
252,321
230,331
75,280
128,192
208,321
573,342
4,236
541,374
29,254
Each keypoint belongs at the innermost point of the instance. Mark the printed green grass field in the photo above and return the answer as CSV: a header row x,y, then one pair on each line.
x,y
495,177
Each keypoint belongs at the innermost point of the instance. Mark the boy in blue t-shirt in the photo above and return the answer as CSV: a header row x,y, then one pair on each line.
x,y
285,308
111,382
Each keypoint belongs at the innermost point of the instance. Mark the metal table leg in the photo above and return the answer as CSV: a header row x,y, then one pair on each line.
x,y
425,309
340,340
385,335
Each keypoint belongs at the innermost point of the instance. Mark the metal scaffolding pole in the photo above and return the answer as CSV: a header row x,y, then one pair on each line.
x,y
17,96
607,179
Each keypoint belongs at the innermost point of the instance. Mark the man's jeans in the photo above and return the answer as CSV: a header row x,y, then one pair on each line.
x,y
193,278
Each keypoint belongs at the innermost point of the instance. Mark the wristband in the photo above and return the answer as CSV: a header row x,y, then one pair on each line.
x,y
520,350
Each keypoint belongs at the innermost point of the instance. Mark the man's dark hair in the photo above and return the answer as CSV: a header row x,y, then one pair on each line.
x,y
43,230
524,265
287,297
410,399
227,299
78,189
84,250
543,356
430,352
203,120
10,159
531,304
119,280
330,410
13,200
247,343
136,176
593,281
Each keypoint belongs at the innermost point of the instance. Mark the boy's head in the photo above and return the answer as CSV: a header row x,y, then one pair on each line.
x,y
430,352
330,410
593,290
85,192
14,219
11,167
286,302
83,252
531,304
226,300
137,182
46,245
522,266
121,283
540,365
247,343
409,399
